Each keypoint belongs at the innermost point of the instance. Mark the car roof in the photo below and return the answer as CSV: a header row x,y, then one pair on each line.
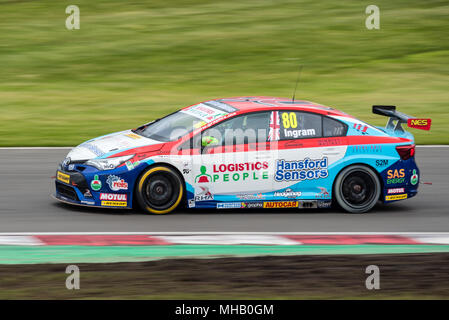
x,y
255,103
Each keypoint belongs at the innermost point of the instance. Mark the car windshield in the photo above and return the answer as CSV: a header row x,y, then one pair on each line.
x,y
180,123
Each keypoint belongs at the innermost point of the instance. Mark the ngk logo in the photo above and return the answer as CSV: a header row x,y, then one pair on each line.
x,y
113,196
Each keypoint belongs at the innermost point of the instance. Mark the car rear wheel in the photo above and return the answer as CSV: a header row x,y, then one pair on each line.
x,y
159,190
357,189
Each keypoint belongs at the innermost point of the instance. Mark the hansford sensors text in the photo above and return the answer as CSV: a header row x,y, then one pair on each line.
x,y
298,170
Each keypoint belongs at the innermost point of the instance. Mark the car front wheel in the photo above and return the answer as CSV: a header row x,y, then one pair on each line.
x,y
357,189
159,190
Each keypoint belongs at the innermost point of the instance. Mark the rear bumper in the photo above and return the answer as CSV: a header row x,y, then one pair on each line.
x,y
400,181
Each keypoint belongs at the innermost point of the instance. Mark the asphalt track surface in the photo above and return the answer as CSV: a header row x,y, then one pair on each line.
x,y
26,206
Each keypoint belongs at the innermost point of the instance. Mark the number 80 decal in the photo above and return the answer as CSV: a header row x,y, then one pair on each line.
x,y
289,120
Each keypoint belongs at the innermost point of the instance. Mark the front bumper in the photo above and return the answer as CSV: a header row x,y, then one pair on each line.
x,y
87,186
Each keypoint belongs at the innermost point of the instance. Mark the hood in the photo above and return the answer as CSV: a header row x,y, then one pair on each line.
x,y
105,146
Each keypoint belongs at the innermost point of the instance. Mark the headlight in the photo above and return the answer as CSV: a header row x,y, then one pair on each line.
x,y
109,163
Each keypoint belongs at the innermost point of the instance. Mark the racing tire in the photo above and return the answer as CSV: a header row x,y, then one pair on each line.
x,y
159,190
357,189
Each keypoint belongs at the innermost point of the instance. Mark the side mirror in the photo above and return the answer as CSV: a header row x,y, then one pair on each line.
x,y
209,141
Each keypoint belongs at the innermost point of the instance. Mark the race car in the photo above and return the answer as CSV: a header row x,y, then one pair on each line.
x,y
247,152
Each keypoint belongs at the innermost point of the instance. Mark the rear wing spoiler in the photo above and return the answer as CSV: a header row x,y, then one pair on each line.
x,y
400,118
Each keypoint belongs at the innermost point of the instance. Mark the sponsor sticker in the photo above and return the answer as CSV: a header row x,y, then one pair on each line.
x,y
361,128
133,136
113,203
93,148
288,193
229,205
396,197
258,196
414,178
252,205
204,194
281,204
90,203
87,194
395,176
247,171
220,106
307,169
116,183
131,165
423,124
66,162
191,203
205,112
95,184
381,163
114,196
395,190
63,177
322,204
186,167
324,194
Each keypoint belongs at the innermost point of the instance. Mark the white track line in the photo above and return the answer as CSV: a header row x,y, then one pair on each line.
x,y
220,233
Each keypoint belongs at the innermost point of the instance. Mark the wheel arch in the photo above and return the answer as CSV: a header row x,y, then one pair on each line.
x,y
359,164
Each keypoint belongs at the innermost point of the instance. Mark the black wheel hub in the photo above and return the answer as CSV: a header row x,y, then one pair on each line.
x,y
358,188
160,190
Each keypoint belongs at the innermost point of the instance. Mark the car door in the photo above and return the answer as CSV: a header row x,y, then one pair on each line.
x,y
307,150
234,162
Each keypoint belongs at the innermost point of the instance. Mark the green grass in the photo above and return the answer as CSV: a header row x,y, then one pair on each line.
x,y
133,61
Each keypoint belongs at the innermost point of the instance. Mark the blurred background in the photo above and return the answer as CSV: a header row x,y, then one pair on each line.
x,y
133,61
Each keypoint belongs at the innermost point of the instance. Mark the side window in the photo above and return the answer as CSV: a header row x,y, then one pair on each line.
x,y
333,128
248,128
299,125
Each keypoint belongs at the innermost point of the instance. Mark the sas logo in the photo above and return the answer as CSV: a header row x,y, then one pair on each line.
x,y
395,176
423,124
396,197
63,177
281,204
116,184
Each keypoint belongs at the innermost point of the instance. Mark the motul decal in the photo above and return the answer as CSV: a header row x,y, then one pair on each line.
x,y
113,196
